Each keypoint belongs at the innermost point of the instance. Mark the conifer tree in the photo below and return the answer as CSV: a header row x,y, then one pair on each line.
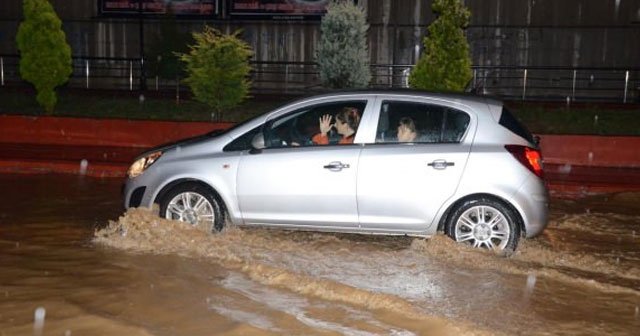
x,y
342,54
445,64
218,69
45,56
166,46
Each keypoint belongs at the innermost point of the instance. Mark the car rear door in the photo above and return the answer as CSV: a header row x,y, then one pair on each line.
x,y
402,185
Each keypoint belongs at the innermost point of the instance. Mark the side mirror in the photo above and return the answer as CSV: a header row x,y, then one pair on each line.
x,y
258,141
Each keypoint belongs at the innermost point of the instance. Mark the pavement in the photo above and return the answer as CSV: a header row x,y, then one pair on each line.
x,y
113,161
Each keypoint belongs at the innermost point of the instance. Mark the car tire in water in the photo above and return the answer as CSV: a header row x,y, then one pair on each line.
x,y
194,204
484,223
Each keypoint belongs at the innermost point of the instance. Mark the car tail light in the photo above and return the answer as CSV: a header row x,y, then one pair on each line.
x,y
529,157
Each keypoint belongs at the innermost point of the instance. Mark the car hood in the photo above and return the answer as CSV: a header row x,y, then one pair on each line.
x,y
183,142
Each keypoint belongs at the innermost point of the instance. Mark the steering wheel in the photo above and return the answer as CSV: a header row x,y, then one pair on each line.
x,y
298,137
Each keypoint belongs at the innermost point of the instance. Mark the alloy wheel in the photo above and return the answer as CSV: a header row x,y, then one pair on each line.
x,y
483,226
192,208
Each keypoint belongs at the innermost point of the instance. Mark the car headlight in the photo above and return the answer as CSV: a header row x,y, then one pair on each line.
x,y
141,164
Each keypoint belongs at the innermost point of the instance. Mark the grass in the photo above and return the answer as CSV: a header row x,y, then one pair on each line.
x,y
127,105
584,119
540,118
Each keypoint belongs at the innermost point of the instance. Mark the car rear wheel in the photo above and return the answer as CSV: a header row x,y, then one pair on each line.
x,y
484,223
194,204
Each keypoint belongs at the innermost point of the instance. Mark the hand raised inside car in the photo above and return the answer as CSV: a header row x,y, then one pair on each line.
x,y
325,124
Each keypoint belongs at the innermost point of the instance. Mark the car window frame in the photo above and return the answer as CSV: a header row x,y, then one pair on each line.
x,y
372,126
368,100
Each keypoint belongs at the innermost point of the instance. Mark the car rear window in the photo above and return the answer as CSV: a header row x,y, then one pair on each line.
x,y
509,121
431,123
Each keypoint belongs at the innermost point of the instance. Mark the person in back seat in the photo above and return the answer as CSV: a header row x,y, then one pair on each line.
x,y
407,130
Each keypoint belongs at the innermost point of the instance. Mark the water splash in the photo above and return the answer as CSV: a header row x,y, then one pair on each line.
x,y
84,164
264,258
38,320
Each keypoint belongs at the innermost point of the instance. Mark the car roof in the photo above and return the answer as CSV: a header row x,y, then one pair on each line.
x,y
468,97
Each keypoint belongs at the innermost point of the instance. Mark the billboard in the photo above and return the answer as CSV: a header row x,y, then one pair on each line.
x,y
197,8
278,9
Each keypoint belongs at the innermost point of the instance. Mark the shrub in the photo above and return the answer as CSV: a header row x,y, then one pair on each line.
x,y
45,56
165,47
446,64
342,54
218,69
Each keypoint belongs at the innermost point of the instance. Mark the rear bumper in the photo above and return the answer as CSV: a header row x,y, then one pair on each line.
x,y
532,198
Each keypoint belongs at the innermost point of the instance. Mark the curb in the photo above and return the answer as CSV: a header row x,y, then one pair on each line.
x,y
575,165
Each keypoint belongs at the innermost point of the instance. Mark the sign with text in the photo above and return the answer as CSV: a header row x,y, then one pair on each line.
x,y
156,7
278,9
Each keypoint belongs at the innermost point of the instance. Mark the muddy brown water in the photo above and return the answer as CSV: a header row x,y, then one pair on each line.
x,y
68,251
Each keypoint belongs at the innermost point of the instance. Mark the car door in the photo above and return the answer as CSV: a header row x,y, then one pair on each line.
x,y
402,185
293,182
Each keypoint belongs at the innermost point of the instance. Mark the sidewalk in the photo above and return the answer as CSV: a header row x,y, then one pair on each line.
x,y
576,181
113,161
96,161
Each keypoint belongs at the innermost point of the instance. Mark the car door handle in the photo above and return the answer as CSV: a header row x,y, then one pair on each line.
x,y
440,164
336,166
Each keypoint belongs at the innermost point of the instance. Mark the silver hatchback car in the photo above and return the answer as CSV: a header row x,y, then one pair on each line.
x,y
376,162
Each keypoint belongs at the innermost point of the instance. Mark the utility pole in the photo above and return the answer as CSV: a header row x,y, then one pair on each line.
x,y
143,77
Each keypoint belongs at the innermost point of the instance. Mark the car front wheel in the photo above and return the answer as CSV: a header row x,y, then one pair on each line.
x,y
484,223
194,204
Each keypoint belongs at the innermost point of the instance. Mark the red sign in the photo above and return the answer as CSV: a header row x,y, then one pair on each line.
x,y
177,7
278,9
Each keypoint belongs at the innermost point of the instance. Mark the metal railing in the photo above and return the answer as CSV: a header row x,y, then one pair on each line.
x,y
559,83
610,84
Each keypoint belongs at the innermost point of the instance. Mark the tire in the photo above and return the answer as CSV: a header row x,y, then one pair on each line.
x,y
202,207
484,223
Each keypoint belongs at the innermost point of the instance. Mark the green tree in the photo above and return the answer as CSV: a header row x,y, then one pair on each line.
x,y
342,54
165,47
45,56
446,64
218,69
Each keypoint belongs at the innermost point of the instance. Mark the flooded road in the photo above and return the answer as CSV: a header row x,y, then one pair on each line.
x,y
141,275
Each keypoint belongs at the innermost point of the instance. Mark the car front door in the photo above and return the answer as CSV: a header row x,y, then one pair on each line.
x,y
293,182
403,183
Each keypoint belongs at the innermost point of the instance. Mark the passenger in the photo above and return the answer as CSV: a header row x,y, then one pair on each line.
x,y
346,124
407,130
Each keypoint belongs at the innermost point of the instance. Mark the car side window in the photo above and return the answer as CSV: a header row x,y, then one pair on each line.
x,y
455,125
411,122
314,125
242,142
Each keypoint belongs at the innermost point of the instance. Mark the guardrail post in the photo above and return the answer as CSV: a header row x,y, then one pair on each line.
x,y
524,85
177,89
390,76
475,79
573,87
86,71
2,71
405,77
286,77
130,75
626,85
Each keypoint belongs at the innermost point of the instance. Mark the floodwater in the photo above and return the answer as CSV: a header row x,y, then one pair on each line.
x,y
69,255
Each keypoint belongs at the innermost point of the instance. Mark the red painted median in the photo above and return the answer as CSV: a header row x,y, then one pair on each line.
x,y
574,163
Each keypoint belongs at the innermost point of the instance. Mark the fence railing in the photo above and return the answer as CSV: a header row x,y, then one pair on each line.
x,y
610,84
